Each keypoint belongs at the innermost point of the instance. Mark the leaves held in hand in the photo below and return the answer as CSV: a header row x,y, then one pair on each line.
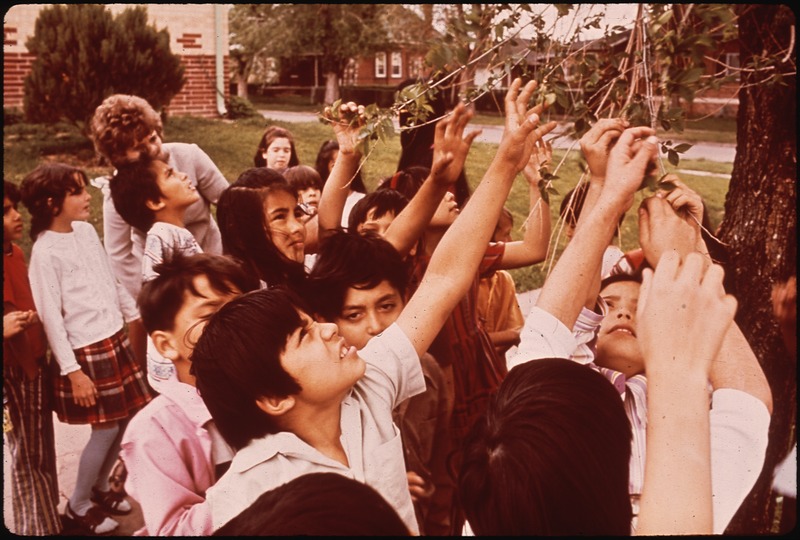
x,y
545,185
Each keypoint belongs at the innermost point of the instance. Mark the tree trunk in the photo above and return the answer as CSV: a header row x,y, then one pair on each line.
x,y
760,227
241,86
331,87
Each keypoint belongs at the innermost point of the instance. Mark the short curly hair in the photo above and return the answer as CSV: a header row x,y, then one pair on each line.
x,y
119,123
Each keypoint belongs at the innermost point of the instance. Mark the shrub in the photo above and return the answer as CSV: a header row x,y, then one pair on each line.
x,y
239,107
84,54
12,115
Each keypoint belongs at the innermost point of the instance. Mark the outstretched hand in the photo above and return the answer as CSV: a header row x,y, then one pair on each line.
x,y
347,121
450,147
661,229
627,162
540,160
521,131
683,314
683,199
596,144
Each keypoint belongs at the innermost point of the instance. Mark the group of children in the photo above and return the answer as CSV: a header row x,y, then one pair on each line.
x,y
307,331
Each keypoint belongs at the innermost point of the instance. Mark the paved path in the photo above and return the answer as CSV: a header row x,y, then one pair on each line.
x,y
723,153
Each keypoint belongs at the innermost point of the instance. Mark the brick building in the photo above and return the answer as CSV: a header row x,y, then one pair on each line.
x,y
198,34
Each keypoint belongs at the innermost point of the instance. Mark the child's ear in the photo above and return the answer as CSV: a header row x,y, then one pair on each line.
x,y
165,345
155,206
275,406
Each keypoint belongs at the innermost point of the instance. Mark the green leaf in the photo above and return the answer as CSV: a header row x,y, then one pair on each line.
x,y
673,157
683,147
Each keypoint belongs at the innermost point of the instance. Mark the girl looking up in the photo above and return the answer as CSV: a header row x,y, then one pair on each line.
x,y
83,309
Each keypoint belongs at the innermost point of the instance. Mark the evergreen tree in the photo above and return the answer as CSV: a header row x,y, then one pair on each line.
x,y
83,54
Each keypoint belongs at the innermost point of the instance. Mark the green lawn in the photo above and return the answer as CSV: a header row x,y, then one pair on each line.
x,y
231,144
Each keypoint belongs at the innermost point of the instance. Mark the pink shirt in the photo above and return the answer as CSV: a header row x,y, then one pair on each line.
x,y
167,449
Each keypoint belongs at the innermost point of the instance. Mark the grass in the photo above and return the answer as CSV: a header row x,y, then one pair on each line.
x,y
231,144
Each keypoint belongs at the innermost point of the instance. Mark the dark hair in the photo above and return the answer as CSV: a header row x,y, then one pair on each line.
x,y
382,201
121,122
348,260
417,144
11,191
162,297
303,177
636,276
270,134
572,204
237,361
318,504
406,181
132,186
324,157
550,456
51,181
244,230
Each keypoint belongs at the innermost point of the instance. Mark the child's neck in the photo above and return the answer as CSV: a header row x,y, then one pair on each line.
x,y
320,428
6,246
183,372
173,216
61,225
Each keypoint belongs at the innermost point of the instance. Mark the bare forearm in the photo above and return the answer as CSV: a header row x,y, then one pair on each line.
x,y
676,498
737,367
576,276
409,225
334,194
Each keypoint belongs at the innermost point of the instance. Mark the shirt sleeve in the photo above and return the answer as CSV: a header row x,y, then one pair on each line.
x,y
739,437
543,336
394,373
46,288
210,181
154,249
162,483
120,247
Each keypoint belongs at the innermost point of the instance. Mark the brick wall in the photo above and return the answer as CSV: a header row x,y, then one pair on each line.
x,y
192,37
198,96
15,67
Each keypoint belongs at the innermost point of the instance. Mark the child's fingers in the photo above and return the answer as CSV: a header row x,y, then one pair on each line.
x,y
511,97
524,98
471,136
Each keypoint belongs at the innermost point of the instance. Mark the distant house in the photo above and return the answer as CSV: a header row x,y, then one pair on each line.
x,y
722,101
198,33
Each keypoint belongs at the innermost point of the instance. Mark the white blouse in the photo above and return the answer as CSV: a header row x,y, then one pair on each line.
x,y
76,295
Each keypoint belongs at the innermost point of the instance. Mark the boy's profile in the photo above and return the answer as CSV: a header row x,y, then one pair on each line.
x,y
172,449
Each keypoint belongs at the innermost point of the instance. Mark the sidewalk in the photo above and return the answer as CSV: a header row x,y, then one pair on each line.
x,y
723,153
70,440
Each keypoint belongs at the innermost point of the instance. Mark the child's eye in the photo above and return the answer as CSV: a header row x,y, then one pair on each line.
x,y
353,316
387,307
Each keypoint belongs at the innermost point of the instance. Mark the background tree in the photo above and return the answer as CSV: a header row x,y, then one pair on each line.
x,y
84,54
760,225
334,33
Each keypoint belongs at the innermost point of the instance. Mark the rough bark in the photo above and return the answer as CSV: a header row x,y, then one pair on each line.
x,y
332,92
760,228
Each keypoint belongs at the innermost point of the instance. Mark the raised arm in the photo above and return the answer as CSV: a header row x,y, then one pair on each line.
x,y
335,191
533,247
578,269
450,149
455,261
682,318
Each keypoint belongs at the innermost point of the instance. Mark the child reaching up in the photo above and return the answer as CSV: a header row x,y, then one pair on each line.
x,y
293,397
83,309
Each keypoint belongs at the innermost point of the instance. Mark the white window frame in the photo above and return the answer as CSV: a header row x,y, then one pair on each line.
x,y
380,65
397,65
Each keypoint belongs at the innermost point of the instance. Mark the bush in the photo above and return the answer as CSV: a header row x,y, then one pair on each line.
x,y
239,107
83,54
12,115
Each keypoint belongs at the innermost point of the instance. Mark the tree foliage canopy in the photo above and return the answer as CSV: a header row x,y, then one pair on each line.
x,y
84,54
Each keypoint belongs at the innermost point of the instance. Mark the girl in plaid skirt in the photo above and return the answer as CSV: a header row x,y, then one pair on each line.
x,y
83,309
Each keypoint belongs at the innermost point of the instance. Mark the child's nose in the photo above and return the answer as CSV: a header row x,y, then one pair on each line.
x,y
328,331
